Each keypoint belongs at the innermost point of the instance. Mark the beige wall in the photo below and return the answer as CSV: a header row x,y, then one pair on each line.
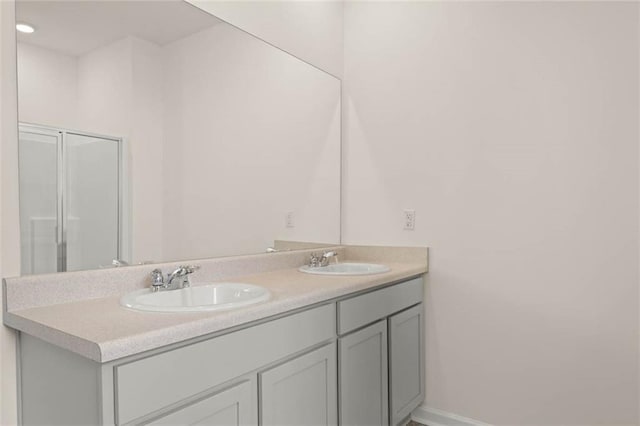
x,y
47,81
311,30
512,130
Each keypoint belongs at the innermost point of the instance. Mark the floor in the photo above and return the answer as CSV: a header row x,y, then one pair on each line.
x,y
412,423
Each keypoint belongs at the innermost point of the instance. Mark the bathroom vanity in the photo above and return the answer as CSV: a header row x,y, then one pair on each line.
x,y
324,350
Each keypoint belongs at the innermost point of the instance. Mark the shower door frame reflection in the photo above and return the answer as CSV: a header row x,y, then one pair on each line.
x,y
62,188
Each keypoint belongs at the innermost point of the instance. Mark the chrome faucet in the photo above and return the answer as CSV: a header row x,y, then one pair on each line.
x,y
316,260
177,279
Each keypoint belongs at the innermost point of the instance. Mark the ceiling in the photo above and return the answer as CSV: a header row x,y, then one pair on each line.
x,y
77,27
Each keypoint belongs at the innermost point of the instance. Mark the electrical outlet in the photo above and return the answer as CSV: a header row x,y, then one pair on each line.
x,y
288,220
409,220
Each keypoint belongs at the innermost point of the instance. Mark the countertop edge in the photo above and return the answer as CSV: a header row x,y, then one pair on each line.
x,y
113,350
75,344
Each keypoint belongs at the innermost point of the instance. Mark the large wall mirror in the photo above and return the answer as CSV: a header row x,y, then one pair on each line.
x,y
151,131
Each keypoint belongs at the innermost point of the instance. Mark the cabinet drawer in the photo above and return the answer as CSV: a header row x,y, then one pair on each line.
x,y
370,307
150,384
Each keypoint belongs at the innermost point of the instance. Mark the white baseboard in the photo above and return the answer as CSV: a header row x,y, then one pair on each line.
x,y
434,417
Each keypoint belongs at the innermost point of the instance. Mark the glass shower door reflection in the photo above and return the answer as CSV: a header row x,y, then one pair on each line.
x,y
40,207
69,200
91,204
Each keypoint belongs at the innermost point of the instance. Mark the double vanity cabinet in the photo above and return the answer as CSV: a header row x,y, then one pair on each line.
x,y
354,360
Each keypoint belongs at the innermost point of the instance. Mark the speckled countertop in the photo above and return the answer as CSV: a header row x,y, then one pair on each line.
x,y
102,330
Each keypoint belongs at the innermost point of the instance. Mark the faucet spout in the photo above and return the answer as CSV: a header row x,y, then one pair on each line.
x,y
328,255
180,272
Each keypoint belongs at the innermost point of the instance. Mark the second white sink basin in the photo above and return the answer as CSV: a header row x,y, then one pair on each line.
x,y
197,298
347,268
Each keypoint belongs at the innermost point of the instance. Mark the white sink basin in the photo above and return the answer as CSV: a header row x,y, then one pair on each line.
x,y
347,268
197,298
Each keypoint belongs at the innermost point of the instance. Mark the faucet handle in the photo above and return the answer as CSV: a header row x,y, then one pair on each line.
x,y
157,280
314,260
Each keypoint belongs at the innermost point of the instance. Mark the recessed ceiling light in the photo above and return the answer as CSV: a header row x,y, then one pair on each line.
x,y
25,28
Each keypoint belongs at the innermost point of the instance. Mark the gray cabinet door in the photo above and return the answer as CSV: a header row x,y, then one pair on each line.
x,y
302,391
363,377
233,406
406,361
